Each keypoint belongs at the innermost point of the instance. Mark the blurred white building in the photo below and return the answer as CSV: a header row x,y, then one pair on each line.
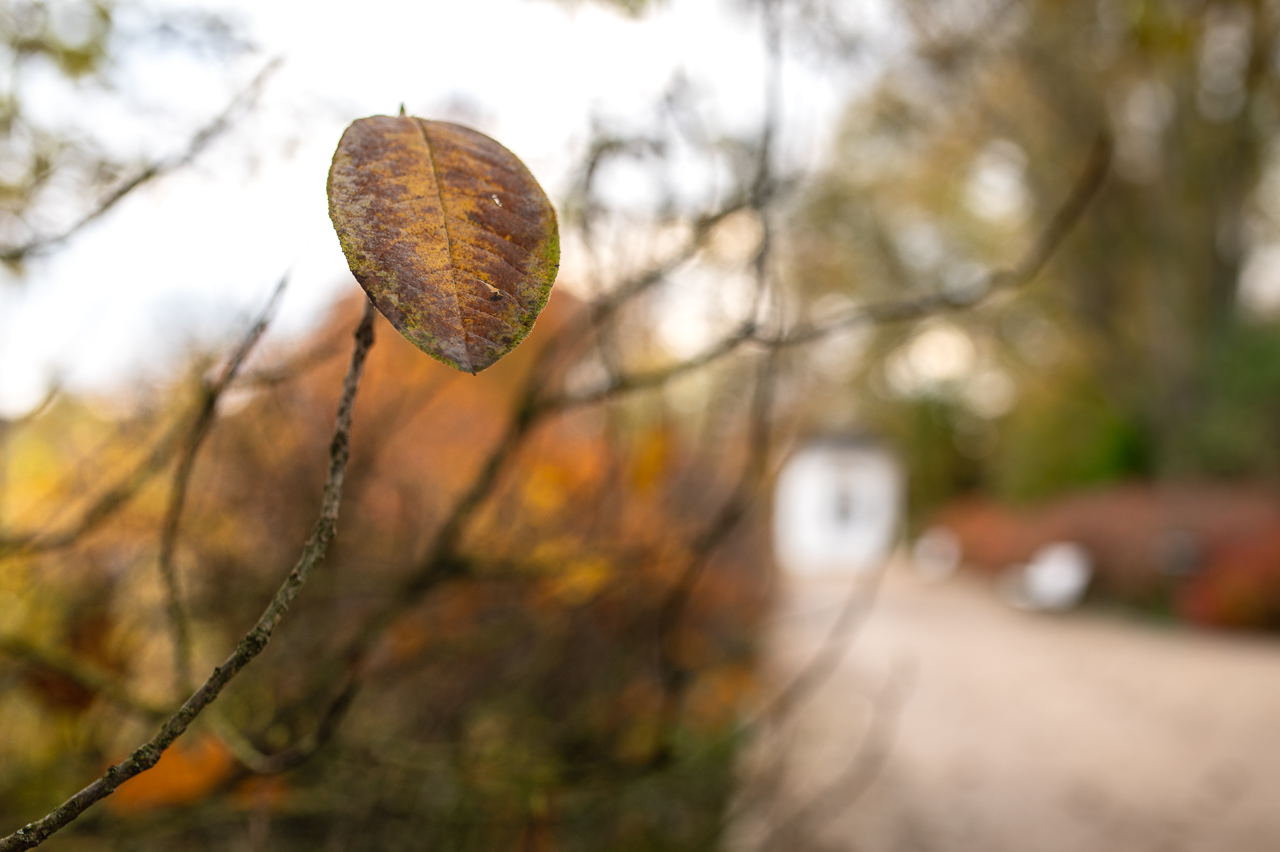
x,y
837,508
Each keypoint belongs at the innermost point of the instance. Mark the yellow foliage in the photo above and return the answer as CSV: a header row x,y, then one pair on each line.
x,y
545,489
651,459
579,580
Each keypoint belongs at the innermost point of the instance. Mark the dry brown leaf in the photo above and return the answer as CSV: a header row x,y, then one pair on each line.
x,y
448,233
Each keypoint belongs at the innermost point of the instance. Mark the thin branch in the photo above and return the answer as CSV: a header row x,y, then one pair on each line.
x,y
198,143
603,309
263,763
178,620
253,643
815,673
610,303
82,673
294,368
385,425
41,407
602,148
897,310
756,467
674,676
442,561
865,767
772,32
114,498
1086,187
106,505
625,384
821,666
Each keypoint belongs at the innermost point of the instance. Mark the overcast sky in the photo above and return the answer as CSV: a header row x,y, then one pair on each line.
x,y
189,258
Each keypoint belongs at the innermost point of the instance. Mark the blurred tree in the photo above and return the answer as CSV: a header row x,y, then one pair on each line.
x,y
515,694
538,628
1149,348
56,173
59,173
72,38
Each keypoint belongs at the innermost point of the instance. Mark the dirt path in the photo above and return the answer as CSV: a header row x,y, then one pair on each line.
x,y
1022,732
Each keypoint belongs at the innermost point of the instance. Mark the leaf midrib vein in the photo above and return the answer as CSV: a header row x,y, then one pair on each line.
x,y
448,241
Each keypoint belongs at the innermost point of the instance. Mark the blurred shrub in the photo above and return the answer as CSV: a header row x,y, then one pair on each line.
x,y
520,704
1208,553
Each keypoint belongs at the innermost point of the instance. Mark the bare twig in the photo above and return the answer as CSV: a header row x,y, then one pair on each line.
x,y
384,424
603,309
263,763
771,720
755,468
442,560
673,675
639,284
896,310
862,594
146,755
212,392
106,505
603,147
440,563
293,368
197,144
41,407
866,765
118,495
630,383
1064,220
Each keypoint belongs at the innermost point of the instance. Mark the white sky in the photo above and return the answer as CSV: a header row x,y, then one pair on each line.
x,y
190,258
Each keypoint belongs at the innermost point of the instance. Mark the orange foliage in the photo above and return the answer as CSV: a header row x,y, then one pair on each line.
x,y
535,668
266,792
187,772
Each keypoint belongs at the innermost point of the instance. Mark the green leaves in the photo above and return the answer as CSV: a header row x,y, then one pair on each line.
x,y
448,233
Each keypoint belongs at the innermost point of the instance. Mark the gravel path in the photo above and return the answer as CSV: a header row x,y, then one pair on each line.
x,y
1016,731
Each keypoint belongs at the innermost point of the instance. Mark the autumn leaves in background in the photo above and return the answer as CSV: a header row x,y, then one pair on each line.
x,y
519,699
533,678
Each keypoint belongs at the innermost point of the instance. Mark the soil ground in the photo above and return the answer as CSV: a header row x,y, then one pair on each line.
x,y
957,723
